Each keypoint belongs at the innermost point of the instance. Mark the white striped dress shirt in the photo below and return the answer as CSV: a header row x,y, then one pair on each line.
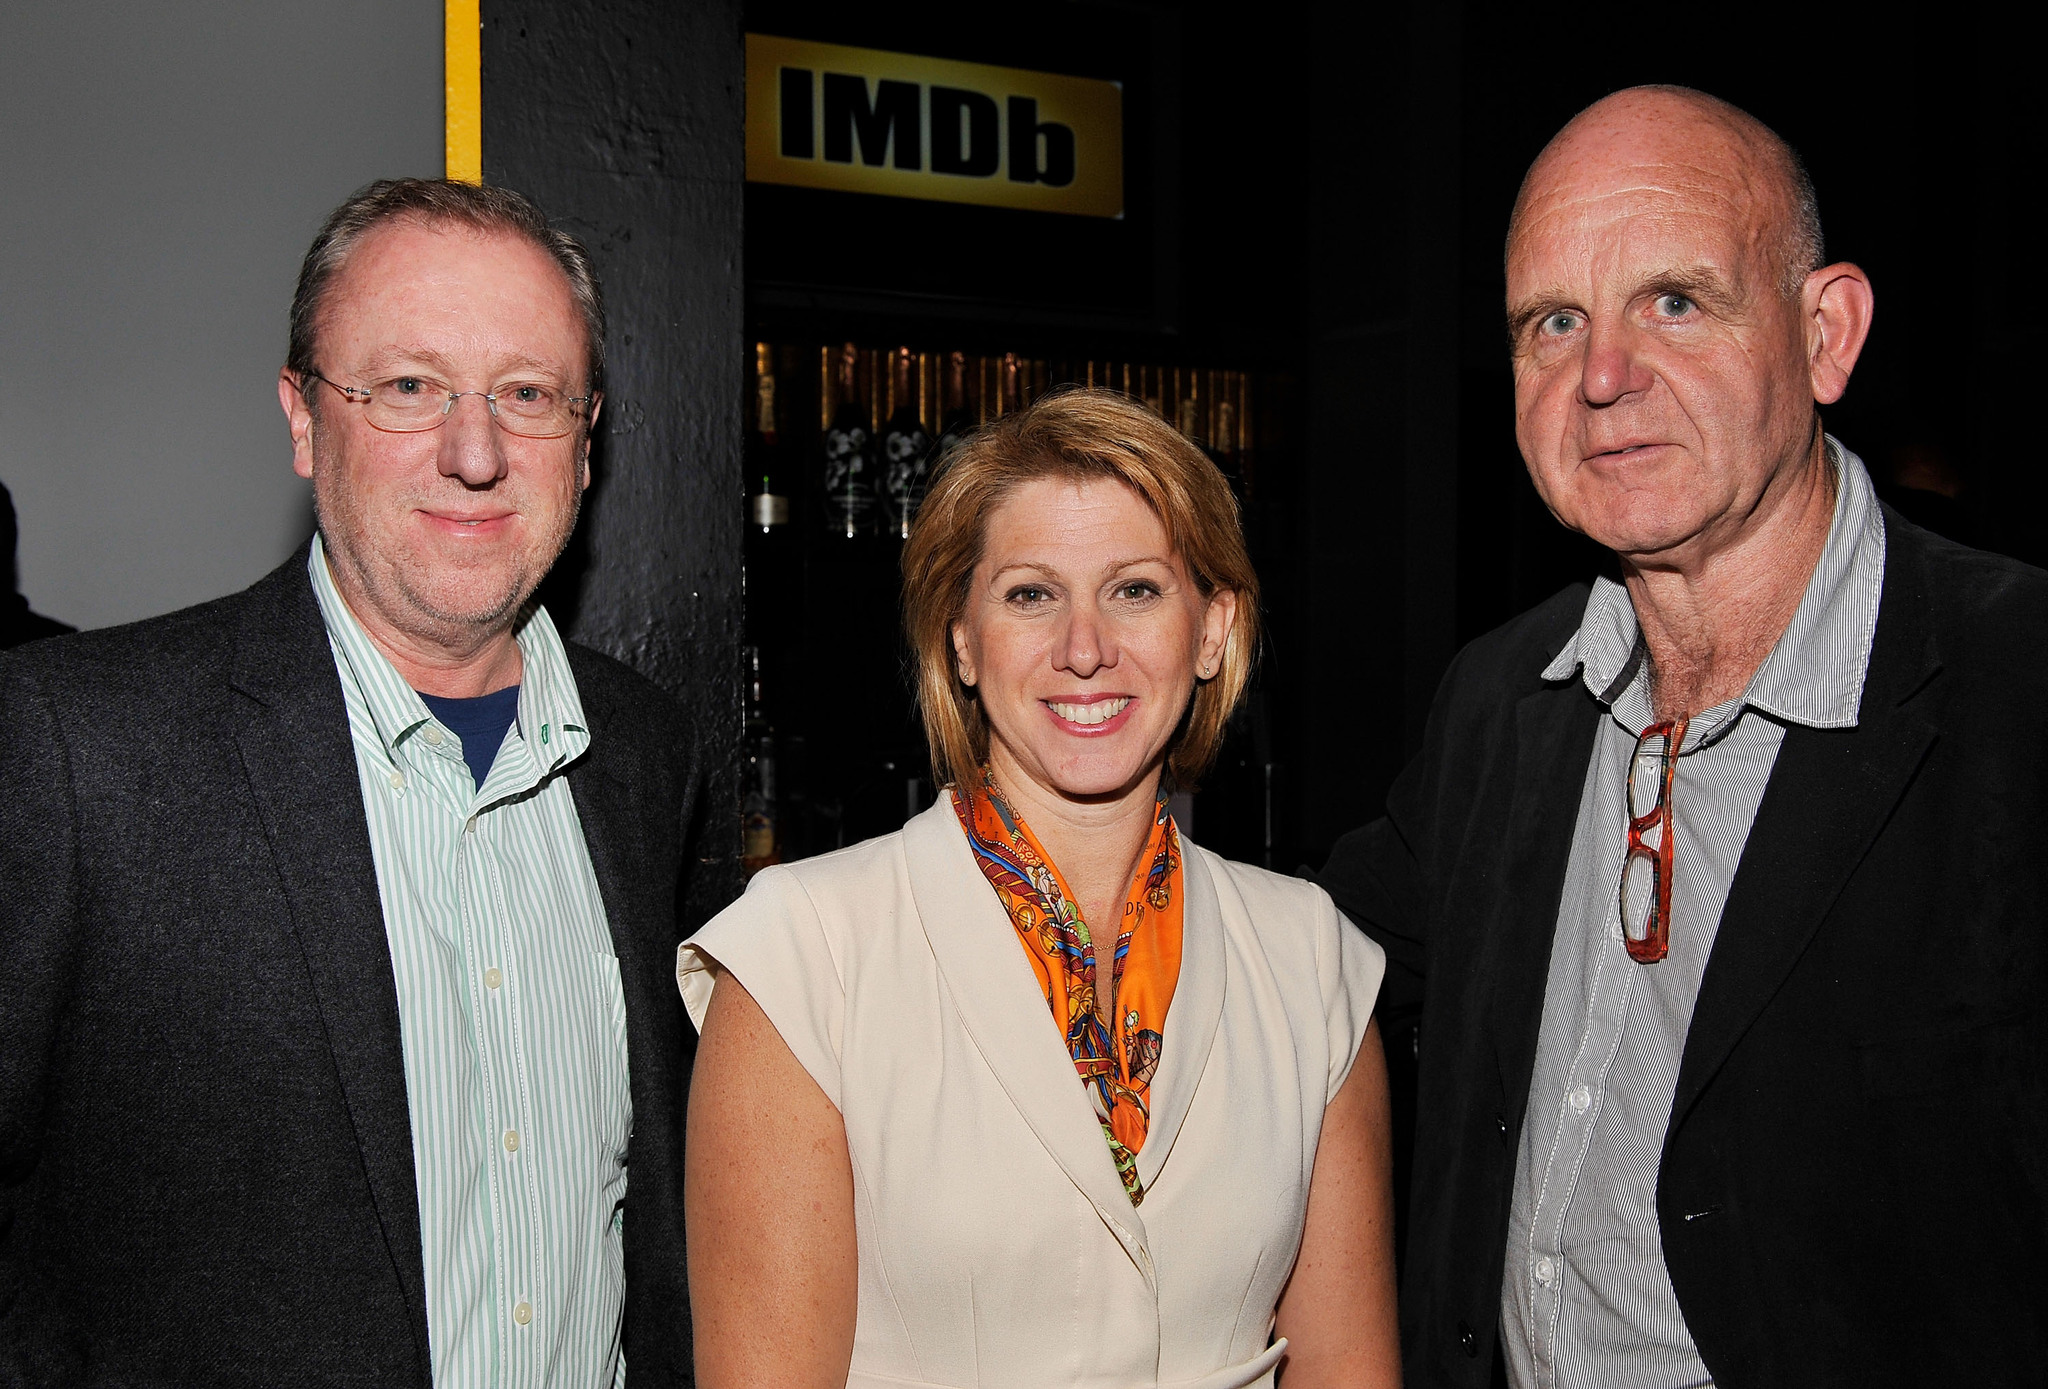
x,y
511,1016
1586,1300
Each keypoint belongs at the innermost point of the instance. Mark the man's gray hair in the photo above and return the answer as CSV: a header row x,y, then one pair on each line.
x,y
433,202
1805,249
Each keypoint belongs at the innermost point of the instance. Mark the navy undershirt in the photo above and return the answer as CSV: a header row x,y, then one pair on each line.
x,y
480,723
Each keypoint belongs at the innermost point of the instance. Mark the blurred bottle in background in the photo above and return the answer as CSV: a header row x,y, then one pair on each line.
x,y
768,507
906,447
849,470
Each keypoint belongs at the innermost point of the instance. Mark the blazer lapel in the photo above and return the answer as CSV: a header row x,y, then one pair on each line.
x,y
611,833
1830,792
301,765
1192,1018
615,836
1554,732
997,998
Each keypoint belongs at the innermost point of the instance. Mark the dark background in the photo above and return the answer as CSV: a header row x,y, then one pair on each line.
x,y
1317,195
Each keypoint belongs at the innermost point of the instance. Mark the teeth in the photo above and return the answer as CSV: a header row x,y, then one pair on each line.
x,y
1101,711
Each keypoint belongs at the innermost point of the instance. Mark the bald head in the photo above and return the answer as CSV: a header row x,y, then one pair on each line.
x,y
1672,331
1683,147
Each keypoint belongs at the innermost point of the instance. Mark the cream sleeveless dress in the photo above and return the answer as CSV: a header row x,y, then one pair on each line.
x,y
996,1245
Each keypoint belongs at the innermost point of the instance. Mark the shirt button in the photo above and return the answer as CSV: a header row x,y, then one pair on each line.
x,y
397,780
433,736
511,1140
1546,1270
493,977
1580,1098
469,825
523,1313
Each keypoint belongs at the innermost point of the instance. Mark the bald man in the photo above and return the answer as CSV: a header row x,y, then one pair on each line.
x,y
1721,889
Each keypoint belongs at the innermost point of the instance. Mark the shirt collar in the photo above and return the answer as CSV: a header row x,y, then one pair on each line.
x,y
550,718
1814,675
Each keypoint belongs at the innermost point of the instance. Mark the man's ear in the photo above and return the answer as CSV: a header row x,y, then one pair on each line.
x,y
589,431
298,417
1838,306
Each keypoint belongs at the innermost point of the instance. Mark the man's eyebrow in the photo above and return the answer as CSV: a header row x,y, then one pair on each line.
x,y
1694,282
1521,315
392,355
385,358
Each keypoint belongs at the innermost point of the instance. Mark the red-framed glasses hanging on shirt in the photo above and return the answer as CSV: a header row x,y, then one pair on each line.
x,y
1646,866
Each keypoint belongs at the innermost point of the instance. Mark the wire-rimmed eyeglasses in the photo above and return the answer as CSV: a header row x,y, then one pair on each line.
x,y
414,404
1646,866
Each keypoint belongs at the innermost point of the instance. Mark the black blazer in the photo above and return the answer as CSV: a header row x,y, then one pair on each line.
x,y
1854,1184
206,1169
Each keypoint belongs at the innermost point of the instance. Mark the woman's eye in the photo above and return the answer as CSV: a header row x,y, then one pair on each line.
x,y
1139,590
1027,594
1673,305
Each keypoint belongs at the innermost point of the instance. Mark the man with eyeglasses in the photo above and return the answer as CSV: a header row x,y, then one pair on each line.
x,y
337,1043
1720,889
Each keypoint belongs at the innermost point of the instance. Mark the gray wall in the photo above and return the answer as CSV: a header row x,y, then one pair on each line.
x,y
162,167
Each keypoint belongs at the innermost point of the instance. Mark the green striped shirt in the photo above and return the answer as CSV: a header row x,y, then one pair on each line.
x,y
511,1015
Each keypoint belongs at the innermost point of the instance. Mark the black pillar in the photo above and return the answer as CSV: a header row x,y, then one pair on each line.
x,y
623,120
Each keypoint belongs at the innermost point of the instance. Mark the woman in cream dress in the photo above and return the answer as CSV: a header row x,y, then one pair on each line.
x,y
937,1136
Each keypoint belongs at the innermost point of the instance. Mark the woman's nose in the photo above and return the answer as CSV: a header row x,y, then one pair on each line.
x,y
1082,646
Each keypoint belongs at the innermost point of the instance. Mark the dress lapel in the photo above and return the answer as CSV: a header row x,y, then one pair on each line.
x,y
301,765
996,996
1830,793
1191,1020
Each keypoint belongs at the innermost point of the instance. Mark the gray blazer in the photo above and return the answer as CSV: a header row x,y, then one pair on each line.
x,y
206,1171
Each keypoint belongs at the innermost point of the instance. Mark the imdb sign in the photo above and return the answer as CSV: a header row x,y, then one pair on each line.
x,y
860,120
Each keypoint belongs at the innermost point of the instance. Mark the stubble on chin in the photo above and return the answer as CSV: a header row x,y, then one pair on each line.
x,y
443,605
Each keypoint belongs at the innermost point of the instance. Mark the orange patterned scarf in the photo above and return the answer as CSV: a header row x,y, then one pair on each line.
x,y
1113,1035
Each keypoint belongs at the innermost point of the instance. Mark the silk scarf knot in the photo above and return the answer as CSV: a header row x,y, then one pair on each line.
x,y
1114,1026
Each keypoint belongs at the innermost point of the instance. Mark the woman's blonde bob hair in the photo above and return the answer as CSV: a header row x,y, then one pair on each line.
x,y
1077,434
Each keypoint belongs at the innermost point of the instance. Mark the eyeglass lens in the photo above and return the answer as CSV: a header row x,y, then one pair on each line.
x,y
407,405
1638,895
1646,774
